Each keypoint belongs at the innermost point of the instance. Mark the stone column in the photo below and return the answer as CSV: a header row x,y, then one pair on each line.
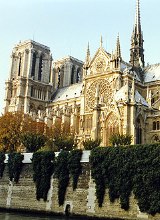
x,y
24,62
95,123
67,74
132,124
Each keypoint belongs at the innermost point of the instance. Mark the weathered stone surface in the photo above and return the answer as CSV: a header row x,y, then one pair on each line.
x,y
82,201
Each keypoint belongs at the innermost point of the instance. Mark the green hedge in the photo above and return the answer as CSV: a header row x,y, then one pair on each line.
x,y
122,170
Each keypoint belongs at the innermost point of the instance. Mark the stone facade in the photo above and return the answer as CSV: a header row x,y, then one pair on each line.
x,y
22,196
98,97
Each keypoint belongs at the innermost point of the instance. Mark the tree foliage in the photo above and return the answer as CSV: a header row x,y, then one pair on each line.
x,y
62,174
91,144
43,168
18,128
74,166
125,169
33,142
120,139
10,131
62,137
15,166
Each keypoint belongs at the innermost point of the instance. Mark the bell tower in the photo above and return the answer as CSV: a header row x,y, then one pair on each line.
x,y
137,51
29,86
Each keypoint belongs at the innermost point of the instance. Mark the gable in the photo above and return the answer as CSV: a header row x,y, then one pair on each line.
x,y
101,62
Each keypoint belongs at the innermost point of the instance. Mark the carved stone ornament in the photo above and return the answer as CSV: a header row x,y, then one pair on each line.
x,y
105,91
100,64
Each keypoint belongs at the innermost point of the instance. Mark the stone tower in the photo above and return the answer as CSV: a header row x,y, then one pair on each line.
x,y
29,86
137,51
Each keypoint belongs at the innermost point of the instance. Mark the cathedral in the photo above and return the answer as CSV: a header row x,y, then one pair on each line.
x,y
98,97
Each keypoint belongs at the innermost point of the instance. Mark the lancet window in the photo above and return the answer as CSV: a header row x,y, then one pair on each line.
x,y
40,68
33,64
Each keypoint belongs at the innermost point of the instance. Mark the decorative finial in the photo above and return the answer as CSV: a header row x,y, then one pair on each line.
x,y
101,42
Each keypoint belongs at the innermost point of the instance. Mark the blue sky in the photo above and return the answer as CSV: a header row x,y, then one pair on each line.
x,y
66,26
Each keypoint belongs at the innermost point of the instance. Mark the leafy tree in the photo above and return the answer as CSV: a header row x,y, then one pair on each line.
x,y
14,126
91,144
33,142
10,131
120,139
62,138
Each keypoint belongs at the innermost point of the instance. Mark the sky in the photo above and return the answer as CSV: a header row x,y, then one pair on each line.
x,y
66,26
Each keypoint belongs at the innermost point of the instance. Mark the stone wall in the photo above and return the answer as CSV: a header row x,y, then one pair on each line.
x,y
82,201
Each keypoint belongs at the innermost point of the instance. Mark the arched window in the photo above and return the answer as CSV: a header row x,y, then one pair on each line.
x,y
154,125
19,67
40,68
138,132
78,75
157,125
72,74
33,64
59,77
32,91
112,126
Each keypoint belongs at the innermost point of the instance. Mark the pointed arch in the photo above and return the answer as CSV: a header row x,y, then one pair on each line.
x,y
33,64
72,74
40,68
20,63
112,126
78,73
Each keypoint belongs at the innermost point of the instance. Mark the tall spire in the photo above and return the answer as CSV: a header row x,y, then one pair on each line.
x,y
118,48
138,18
137,51
88,58
101,42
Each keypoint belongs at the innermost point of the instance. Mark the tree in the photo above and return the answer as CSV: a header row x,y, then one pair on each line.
x,y
33,142
17,128
10,131
120,139
91,144
62,137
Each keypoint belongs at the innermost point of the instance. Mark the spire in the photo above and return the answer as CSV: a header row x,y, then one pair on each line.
x,y
138,19
88,58
118,48
137,51
101,42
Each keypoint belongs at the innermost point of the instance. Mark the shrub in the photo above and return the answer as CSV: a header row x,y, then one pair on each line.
x,y
120,139
91,144
33,142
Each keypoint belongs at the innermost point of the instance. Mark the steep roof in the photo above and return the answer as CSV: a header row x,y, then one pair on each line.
x,y
68,92
121,95
152,73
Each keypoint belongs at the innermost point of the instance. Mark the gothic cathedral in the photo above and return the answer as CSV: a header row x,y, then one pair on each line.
x,y
98,97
